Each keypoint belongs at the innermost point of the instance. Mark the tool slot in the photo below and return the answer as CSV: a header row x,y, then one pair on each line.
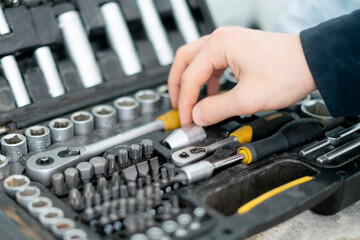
x,y
228,198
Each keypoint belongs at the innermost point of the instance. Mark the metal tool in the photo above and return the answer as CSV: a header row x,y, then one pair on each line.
x,y
71,177
83,122
62,129
332,155
14,146
185,136
86,171
75,234
46,62
100,166
62,226
38,138
163,90
38,206
147,146
15,183
155,31
43,165
105,116
51,216
149,101
184,20
4,167
256,130
119,38
127,108
11,70
331,139
23,197
135,152
79,49
291,135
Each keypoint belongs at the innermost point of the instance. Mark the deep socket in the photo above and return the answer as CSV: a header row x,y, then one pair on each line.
x,y
127,108
62,129
26,195
83,122
38,138
149,101
14,146
39,205
51,216
105,116
62,226
4,167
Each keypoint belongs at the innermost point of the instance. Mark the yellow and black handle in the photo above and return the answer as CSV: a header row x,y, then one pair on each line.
x,y
293,134
262,127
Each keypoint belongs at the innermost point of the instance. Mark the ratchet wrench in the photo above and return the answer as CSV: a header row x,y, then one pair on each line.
x,y
41,166
256,130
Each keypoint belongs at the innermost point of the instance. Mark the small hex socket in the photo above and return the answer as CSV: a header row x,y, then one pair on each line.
x,y
83,123
75,233
105,116
14,146
72,178
62,129
163,90
149,101
15,183
4,167
39,205
51,216
127,108
26,195
62,226
38,138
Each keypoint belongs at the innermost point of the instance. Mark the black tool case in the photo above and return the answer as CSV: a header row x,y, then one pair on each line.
x,y
33,24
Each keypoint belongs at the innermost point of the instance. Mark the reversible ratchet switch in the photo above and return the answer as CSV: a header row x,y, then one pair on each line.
x,y
41,166
293,134
11,70
256,130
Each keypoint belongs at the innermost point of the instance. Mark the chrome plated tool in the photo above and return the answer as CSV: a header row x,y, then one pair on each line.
x,y
41,166
337,152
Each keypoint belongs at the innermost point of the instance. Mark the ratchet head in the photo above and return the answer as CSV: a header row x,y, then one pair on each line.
x,y
41,166
189,155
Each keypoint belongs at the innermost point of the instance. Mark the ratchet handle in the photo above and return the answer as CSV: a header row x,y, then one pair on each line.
x,y
291,135
262,127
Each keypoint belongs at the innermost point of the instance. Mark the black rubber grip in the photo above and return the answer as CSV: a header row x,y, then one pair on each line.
x,y
268,125
293,134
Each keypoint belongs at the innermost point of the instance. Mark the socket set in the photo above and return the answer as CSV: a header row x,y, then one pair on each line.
x,y
90,148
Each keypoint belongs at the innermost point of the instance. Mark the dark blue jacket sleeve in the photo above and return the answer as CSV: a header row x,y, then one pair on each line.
x,y
332,51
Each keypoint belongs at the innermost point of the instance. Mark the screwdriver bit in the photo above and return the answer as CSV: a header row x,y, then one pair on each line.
x,y
111,164
130,173
115,192
89,191
164,175
97,203
148,147
71,177
140,200
58,184
131,205
86,171
143,168
122,207
106,195
113,211
124,191
175,206
100,166
135,152
115,180
132,189
104,219
167,211
171,169
101,184
148,180
154,165
75,199
123,158
157,193
140,182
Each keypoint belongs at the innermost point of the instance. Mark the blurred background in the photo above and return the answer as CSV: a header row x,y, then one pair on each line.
x,y
287,16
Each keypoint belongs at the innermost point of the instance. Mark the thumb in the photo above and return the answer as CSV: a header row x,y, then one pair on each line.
x,y
214,109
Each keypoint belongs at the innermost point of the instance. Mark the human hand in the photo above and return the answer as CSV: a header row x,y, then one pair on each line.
x,y
270,68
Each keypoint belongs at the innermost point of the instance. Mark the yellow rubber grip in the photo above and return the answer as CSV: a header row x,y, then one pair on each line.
x,y
262,198
243,134
246,153
170,119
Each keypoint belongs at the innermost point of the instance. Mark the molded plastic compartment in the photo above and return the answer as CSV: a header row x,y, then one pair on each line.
x,y
226,199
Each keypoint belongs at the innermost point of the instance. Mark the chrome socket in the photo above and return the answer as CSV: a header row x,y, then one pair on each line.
x,y
75,233
149,101
62,226
38,138
163,91
27,194
83,122
15,183
4,167
51,216
14,146
38,206
127,108
62,129
105,116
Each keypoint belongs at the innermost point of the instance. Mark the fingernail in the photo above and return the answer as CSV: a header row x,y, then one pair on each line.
x,y
199,118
